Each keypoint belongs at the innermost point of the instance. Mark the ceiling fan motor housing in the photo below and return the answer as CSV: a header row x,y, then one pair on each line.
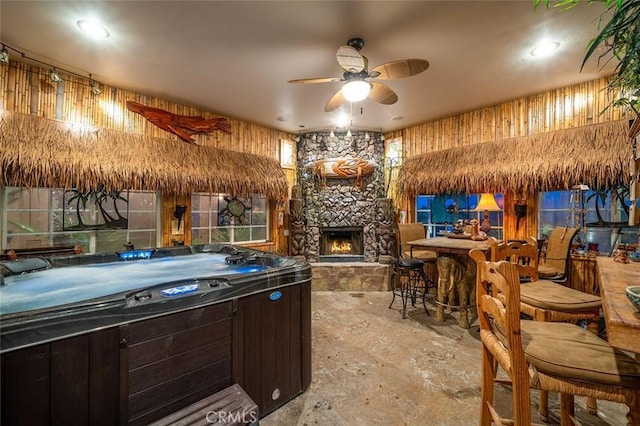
x,y
356,43
348,75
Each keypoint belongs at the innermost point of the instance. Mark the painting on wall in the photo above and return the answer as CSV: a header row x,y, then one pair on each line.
x,y
97,209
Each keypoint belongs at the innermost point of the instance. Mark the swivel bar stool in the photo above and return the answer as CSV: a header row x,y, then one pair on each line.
x,y
409,281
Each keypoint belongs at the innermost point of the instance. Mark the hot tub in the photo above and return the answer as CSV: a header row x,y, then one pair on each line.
x,y
46,303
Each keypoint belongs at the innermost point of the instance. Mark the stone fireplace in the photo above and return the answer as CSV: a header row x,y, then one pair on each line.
x,y
340,213
341,243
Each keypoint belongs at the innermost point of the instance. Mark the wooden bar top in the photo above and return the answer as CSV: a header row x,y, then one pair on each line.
x,y
451,245
622,318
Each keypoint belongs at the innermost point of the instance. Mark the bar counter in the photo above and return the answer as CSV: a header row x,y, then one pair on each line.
x,y
622,318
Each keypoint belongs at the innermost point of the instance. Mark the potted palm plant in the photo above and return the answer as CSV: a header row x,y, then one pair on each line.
x,y
618,39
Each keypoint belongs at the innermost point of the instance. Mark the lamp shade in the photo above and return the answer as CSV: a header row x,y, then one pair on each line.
x,y
356,90
487,202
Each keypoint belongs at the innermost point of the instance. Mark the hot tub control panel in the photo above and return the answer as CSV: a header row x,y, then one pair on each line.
x,y
176,291
198,287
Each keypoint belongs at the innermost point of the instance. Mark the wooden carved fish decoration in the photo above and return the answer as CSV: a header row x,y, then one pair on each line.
x,y
344,168
180,125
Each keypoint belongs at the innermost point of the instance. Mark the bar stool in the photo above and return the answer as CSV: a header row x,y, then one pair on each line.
x,y
409,281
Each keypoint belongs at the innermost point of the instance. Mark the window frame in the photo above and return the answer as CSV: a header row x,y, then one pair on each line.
x,y
93,235
213,214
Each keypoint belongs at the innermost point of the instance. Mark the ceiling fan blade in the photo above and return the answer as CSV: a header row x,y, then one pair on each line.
x,y
335,102
316,80
382,93
401,68
350,59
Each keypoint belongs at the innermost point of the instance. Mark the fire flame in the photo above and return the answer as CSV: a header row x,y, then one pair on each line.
x,y
340,247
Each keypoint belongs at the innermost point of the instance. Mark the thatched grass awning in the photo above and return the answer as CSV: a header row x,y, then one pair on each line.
x,y
40,152
596,155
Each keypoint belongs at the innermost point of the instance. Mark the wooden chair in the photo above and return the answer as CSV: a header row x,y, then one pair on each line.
x,y
528,351
556,261
406,232
522,253
410,232
544,300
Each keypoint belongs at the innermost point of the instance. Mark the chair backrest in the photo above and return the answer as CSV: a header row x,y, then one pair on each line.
x,y
559,248
498,303
408,232
522,253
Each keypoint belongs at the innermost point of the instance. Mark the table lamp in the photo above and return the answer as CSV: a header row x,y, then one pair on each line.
x,y
487,203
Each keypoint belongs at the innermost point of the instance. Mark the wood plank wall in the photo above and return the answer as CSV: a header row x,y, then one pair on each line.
x,y
563,108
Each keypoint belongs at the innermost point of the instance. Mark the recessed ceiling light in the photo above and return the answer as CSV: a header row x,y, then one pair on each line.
x,y
545,48
93,29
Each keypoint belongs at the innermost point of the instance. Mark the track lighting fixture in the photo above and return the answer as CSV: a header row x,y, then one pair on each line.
x,y
4,55
348,134
313,137
55,77
53,73
332,135
367,136
95,87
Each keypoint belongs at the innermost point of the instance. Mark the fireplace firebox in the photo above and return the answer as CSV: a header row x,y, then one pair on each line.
x,y
341,243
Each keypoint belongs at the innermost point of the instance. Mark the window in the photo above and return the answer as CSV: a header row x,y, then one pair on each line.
x,y
37,217
438,211
221,218
604,215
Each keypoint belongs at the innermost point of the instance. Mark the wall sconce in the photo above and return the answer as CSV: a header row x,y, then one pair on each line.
x,y
179,212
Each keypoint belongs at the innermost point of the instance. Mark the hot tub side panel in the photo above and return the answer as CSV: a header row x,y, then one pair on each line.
x,y
272,345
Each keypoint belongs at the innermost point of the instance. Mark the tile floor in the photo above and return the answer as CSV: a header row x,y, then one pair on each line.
x,y
371,367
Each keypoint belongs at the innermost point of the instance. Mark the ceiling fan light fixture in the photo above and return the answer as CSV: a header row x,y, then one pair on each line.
x,y
356,90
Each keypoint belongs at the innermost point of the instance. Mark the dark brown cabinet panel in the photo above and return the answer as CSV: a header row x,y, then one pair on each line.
x,y
175,360
272,345
71,381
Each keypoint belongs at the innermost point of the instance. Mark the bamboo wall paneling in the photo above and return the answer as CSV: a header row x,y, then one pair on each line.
x,y
4,86
9,94
34,89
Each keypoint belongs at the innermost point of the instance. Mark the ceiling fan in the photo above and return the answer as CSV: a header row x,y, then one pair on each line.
x,y
357,77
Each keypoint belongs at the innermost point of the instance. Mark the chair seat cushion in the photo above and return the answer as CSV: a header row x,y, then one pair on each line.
x,y
548,271
419,253
410,263
556,297
569,351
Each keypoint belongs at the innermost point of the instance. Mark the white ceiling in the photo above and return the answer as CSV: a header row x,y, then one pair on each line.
x,y
235,57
